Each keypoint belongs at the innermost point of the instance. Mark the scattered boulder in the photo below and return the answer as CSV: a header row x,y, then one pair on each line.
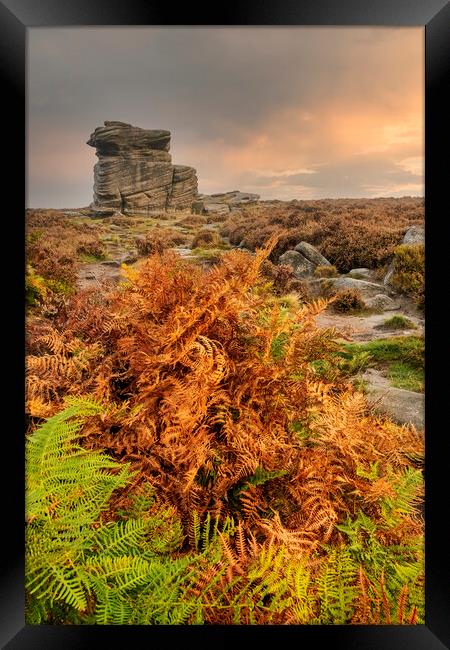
x,y
312,254
198,205
414,235
110,263
381,302
361,274
134,172
390,272
301,266
216,208
205,206
366,289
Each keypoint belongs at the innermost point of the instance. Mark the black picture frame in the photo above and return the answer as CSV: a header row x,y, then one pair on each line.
x,y
16,16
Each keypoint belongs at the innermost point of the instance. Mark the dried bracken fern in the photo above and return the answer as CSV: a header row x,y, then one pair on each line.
x,y
213,401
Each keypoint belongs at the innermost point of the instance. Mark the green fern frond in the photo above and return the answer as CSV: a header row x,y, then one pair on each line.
x,y
336,587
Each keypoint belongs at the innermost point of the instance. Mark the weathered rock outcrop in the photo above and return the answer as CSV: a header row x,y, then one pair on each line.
x,y
234,198
184,187
134,173
223,203
303,259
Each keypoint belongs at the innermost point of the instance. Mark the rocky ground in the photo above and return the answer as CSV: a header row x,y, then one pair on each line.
x,y
366,327
403,406
120,243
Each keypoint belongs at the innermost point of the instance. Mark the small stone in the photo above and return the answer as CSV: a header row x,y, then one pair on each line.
x,y
381,302
110,263
361,274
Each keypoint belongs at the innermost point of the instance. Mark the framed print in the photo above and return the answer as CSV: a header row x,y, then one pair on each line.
x,y
234,421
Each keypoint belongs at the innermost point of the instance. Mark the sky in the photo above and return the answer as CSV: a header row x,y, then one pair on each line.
x,y
288,113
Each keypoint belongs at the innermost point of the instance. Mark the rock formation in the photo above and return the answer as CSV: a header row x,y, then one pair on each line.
x,y
222,203
134,173
303,259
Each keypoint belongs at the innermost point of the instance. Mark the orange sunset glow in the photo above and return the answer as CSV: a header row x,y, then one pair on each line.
x,y
285,112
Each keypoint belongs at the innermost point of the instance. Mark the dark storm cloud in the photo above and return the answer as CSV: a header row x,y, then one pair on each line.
x,y
216,89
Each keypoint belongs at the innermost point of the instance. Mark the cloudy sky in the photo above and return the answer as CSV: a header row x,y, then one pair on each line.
x,y
288,113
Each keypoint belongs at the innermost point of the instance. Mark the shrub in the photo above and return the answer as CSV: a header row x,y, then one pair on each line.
x,y
283,279
35,288
123,221
192,220
348,300
296,505
158,240
98,553
397,323
206,256
80,568
206,239
53,261
409,271
415,355
91,247
325,271
217,217
54,245
350,233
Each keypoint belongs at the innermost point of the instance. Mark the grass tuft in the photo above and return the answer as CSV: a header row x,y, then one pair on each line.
x,y
397,323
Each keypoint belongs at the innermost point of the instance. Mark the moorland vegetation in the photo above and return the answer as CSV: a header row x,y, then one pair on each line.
x,y
196,454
